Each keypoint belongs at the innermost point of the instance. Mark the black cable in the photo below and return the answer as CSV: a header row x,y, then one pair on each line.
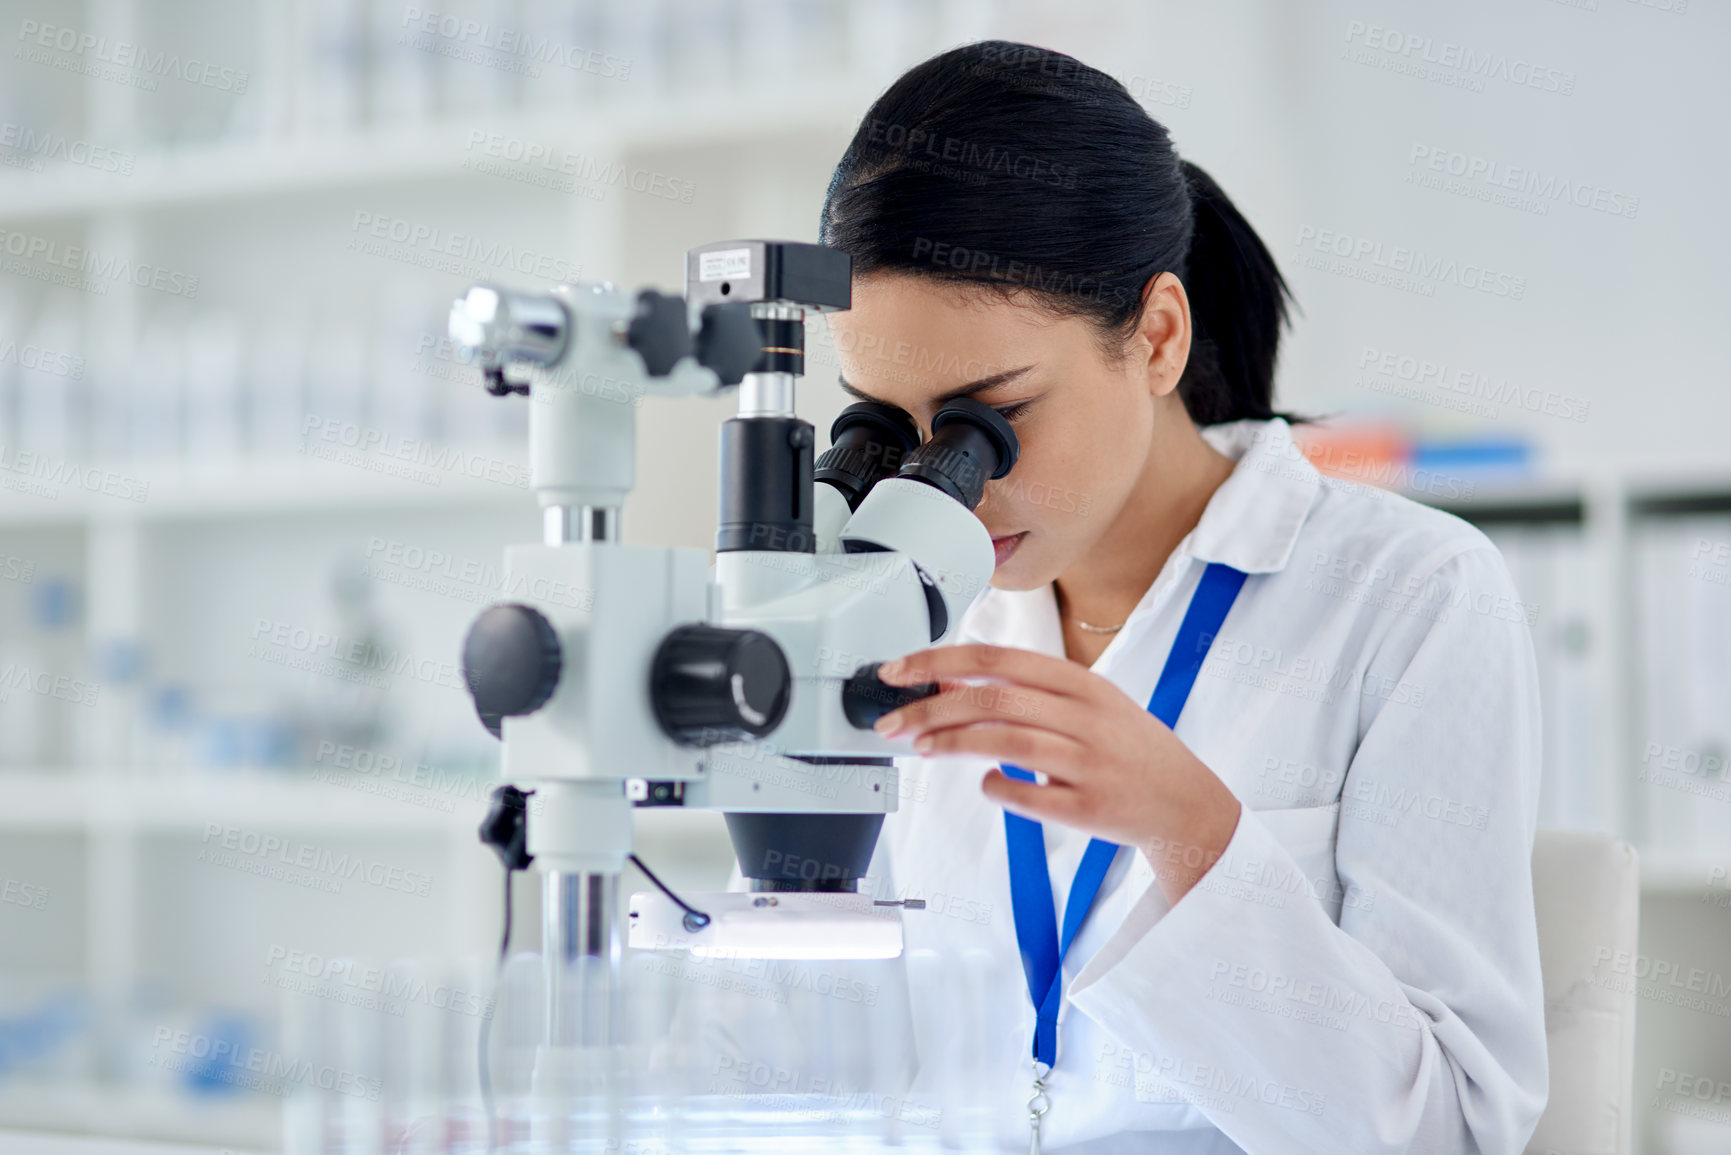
x,y
695,920
484,1071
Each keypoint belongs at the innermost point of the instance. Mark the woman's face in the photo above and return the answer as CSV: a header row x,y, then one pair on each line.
x,y
1085,421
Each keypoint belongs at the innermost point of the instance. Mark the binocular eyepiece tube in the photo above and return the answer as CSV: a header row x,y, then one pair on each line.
x,y
970,445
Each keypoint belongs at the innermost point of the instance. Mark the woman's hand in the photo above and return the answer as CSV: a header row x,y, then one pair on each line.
x,y
1113,770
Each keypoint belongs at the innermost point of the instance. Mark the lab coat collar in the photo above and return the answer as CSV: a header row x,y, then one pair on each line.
x,y
1251,523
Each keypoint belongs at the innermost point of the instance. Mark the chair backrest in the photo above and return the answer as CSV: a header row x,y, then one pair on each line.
x,y
1586,889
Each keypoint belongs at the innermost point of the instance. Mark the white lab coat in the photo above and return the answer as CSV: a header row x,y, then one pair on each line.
x,y
1359,973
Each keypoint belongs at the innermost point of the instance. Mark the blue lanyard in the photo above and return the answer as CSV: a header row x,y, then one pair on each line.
x,y
1031,881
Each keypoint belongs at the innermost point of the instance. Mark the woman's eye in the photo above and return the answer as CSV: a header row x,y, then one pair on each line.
x,y
1011,412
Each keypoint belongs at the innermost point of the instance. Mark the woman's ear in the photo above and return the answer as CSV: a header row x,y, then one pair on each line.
x,y
1163,333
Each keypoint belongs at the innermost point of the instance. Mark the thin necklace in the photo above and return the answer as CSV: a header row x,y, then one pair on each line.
x,y
1089,627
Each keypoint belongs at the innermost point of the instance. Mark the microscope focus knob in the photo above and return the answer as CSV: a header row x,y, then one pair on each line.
x,y
659,332
729,342
709,685
511,663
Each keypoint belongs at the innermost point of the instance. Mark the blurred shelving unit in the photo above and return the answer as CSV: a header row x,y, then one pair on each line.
x,y
132,528
1577,542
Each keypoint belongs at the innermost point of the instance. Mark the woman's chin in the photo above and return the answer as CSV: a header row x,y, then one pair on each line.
x,y
1020,571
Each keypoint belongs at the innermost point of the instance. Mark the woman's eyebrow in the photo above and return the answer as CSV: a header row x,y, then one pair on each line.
x,y
969,389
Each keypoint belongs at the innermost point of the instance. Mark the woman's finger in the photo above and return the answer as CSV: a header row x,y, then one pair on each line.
x,y
1059,757
961,703
1001,663
1052,803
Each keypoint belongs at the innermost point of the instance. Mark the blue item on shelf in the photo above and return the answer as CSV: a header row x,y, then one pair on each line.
x,y
222,1070
1504,455
40,1032
170,706
119,661
53,603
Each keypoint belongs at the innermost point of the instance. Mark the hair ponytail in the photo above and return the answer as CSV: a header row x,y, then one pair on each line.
x,y
1238,304
1024,169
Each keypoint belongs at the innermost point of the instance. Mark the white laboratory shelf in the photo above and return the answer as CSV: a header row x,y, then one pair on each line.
x,y
71,800
251,1122
246,486
241,169
47,799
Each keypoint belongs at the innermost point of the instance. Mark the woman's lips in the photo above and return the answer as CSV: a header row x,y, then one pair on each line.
x,y
1005,546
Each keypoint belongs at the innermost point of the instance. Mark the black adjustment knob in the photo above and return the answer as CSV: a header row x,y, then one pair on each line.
x,y
709,685
506,826
864,699
659,331
729,342
511,663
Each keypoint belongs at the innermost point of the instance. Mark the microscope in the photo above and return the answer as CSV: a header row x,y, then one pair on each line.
x,y
647,677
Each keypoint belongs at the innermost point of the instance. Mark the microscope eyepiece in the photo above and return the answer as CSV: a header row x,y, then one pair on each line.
x,y
869,441
971,444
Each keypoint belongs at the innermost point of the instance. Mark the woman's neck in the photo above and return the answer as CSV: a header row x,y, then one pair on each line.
x,y
1106,583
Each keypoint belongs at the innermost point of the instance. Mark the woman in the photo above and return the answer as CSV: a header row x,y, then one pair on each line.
x,y
1319,933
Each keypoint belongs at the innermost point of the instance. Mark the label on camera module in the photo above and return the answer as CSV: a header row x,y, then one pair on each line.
x,y
724,265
